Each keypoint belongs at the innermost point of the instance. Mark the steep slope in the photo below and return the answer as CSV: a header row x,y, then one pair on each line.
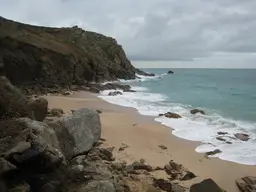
x,y
32,54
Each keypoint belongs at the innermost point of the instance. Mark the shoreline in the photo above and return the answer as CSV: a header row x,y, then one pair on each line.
x,y
143,135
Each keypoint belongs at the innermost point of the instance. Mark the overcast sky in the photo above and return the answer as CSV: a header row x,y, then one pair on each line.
x,y
157,33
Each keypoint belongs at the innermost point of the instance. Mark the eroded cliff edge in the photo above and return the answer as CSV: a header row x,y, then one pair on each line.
x,y
63,56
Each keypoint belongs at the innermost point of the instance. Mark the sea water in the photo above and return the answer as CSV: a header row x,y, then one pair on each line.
x,y
228,97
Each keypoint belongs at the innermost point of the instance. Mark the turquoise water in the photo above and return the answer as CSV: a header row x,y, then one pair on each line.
x,y
230,92
228,98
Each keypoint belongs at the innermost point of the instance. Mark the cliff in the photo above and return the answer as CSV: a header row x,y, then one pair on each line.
x,y
62,56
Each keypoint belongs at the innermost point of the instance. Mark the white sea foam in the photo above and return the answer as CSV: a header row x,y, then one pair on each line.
x,y
197,127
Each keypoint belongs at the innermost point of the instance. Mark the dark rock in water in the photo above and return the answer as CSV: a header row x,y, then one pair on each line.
x,y
109,86
131,91
39,107
207,185
242,136
213,152
56,112
195,111
163,184
12,102
171,115
247,184
114,93
115,86
220,139
188,175
222,133
77,133
170,72
62,56
140,72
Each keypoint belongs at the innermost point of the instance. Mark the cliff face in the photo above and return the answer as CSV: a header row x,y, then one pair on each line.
x,y
30,54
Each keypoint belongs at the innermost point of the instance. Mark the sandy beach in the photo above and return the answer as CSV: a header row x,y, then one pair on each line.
x,y
143,136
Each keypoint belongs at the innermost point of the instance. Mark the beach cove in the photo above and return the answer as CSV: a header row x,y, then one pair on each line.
x,y
143,136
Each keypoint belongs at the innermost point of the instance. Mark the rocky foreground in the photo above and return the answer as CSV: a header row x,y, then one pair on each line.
x,y
45,151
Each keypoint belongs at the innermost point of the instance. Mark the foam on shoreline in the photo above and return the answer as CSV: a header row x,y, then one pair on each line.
x,y
197,127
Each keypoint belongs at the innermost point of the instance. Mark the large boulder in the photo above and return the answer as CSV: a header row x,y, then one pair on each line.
x,y
207,185
77,133
246,184
12,102
39,107
29,144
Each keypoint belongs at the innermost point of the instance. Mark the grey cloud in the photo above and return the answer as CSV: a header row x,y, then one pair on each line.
x,y
151,29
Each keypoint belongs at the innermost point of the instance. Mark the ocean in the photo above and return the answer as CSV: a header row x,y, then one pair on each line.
x,y
228,97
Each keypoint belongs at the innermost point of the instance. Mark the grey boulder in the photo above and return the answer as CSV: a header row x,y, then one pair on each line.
x,y
29,144
77,133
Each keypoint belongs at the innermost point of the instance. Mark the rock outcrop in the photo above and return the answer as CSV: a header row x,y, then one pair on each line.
x,y
140,72
59,56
